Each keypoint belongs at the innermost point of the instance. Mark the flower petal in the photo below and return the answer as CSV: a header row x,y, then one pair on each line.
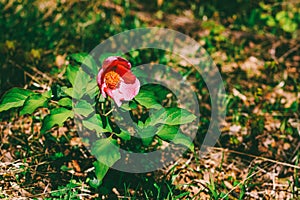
x,y
124,62
128,77
108,62
128,87
121,69
114,61
104,90
100,78
125,92
117,96
130,90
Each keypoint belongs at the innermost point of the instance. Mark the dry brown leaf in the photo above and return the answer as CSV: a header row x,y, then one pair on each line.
x,y
252,66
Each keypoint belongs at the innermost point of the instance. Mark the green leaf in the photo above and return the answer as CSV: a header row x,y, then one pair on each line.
x,y
86,60
283,125
171,116
33,102
289,26
66,102
47,94
57,116
125,135
64,168
281,15
92,88
167,132
127,106
101,99
160,92
71,73
294,106
14,98
182,195
147,98
100,171
107,153
95,183
184,140
271,21
83,108
80,85
173,134
147,134
95,123
67,91
58,91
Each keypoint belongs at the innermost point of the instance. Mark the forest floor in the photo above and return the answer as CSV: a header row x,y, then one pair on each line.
x,y
256,157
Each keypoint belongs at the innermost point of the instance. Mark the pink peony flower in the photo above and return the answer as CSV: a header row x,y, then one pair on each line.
x,y
117,81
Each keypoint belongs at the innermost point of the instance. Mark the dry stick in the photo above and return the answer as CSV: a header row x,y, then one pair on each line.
x,y
273,52
36,70
46,188
20,161
240,183
289,52
294,152
41,73
58,190
258,157
106,114
27,73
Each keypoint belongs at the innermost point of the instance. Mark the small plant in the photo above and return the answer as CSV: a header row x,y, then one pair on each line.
x,y
69,191
92,110
276,17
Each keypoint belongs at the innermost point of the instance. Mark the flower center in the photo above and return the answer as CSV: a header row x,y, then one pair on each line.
x,y
112,79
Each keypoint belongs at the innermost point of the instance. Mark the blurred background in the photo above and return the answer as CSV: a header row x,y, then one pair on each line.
x,y
42,33
255,45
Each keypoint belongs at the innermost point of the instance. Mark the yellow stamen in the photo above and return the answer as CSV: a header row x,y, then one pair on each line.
x,y
112,79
